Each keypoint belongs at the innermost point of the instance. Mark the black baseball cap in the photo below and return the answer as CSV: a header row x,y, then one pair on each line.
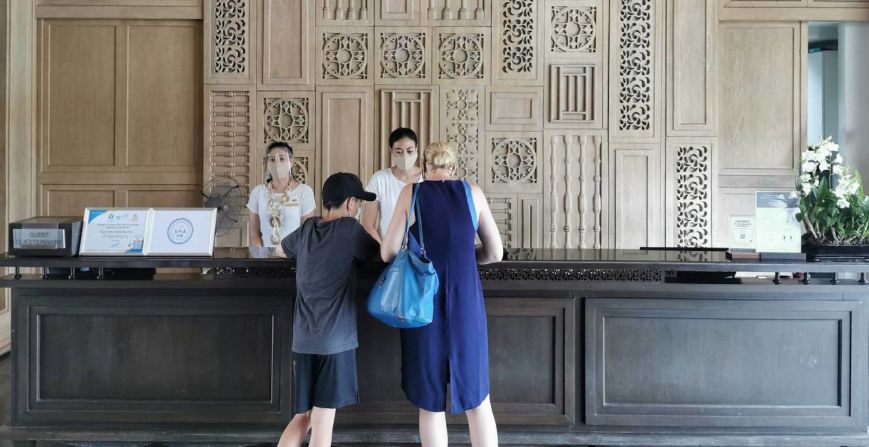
x,y
341,186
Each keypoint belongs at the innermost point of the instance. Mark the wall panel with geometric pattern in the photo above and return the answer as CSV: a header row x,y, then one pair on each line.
x,y
546,101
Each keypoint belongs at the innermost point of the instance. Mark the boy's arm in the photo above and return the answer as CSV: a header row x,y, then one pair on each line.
x,y
287,249
365,247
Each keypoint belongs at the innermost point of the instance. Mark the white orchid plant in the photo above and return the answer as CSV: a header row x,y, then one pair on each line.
x,y
833,207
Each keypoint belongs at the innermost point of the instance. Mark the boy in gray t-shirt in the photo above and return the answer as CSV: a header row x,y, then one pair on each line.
x,y
327,251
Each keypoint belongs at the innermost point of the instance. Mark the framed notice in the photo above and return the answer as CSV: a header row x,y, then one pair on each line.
x,y
181,231
114,231
741,232
777,229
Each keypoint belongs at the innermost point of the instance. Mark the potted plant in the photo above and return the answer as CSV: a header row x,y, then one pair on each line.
x,y
833,208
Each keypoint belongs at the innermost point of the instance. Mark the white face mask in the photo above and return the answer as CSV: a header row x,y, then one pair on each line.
x,y
404,162
279,165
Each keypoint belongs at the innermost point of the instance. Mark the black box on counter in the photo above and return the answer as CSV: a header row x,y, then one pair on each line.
x,y
45,236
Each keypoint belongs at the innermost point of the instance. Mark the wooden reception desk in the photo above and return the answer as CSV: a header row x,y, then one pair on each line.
x,y
586,348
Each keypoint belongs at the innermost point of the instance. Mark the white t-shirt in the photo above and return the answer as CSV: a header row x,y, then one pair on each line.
x,y
301,202
387,187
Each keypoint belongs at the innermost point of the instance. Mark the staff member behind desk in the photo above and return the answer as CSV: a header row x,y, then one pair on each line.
x,y
281,205
388,183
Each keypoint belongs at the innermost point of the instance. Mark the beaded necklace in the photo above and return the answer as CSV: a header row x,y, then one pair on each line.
x,y
276,204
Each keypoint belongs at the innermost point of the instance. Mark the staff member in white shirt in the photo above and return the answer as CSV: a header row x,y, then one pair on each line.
x,y
388,183
278,207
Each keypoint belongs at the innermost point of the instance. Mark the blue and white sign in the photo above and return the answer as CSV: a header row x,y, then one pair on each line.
x,y
180,231
114,231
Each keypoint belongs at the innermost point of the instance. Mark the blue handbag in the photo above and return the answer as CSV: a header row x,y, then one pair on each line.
x,y
403,296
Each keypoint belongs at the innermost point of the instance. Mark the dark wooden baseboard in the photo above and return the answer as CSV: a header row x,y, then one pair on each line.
x,y
387,436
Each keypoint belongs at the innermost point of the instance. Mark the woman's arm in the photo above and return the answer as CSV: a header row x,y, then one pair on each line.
x,y
369,220
492,249
391,242
254,237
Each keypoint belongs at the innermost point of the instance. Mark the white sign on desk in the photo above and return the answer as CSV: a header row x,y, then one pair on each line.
x,y
777,229
181,231
113,231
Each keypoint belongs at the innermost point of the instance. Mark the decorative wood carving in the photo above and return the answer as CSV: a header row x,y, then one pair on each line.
x,y
575,96
517,33
574,189
461,119
415,108
514,162
229,149
345,56
403,56
574,28
287,116
462,55
230,31
518,217
689,193
345,12
635,70
456,12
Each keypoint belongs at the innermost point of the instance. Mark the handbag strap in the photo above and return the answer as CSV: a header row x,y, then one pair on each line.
x,y
414,205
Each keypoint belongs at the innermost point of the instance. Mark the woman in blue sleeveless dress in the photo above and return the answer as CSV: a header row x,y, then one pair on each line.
x,y
452,351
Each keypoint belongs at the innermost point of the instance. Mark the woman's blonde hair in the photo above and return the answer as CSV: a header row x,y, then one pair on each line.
x,y
441,155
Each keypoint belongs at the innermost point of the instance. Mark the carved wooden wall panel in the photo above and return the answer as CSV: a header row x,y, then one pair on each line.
x,y
345,12
77,105
514,162
576,46
691,87
518,217
229,151
575,96
636,71
462,115
229,122
287,116
690,191
636,218
574,189
229,50
345,138
462,55
517,32
403,55
118,106
760,114
345,56
396,12
515,108
456,12
557,107
286,45
415,108
162,117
